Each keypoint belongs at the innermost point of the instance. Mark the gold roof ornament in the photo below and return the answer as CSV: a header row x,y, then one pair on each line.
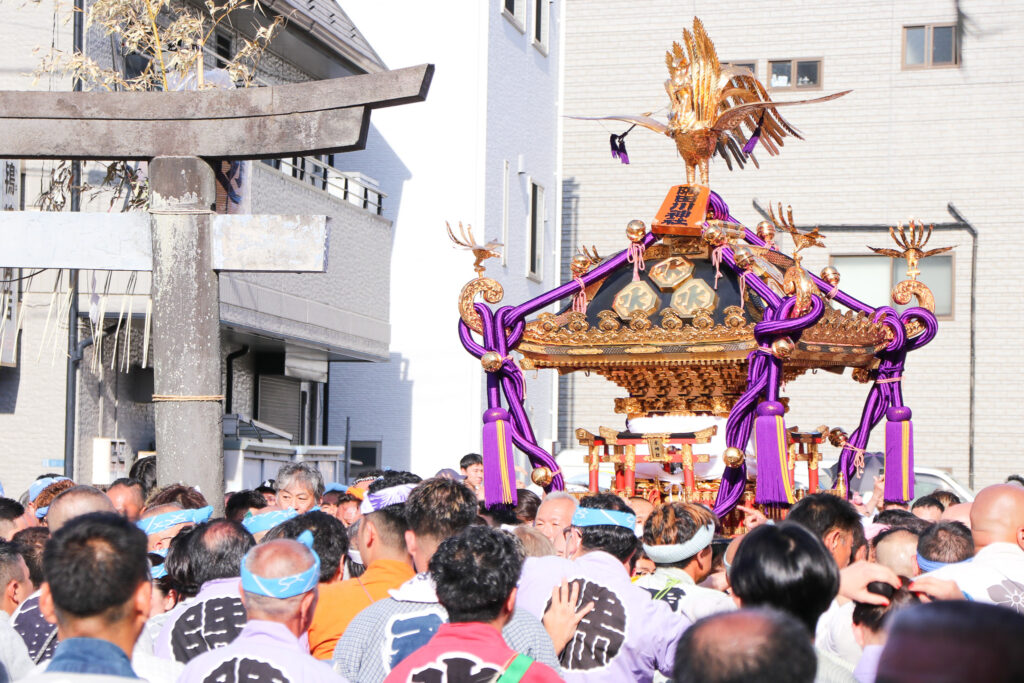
x,y
481,252
913,245
710,105
913,251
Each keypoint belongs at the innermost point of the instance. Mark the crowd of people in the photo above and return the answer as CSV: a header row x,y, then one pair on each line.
x,y
397,578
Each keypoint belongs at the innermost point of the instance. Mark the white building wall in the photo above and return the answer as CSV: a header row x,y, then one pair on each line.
x,y
903,143
492,99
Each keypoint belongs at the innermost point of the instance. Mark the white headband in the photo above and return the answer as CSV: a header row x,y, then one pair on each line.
x,y
393,495
670,554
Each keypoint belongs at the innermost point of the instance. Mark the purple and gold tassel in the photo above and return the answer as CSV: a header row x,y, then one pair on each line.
x,y
899,455
499,463
774,486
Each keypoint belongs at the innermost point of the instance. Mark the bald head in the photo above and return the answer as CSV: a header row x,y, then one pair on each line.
x,y
897,550
748,644
961,512
126,497
275,560
997,516
553,516
75,502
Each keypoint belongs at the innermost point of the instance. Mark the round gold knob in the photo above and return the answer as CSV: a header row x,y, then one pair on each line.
x,y
744,257
783,348
635,230
579,264
733,457
541,476
491,361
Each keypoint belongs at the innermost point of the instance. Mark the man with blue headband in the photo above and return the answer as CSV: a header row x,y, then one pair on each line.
x,y
215,616
163,522
622,634
385,633
279,590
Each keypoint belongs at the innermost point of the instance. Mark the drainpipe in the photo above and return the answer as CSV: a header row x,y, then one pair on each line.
x,y
229,379
71,374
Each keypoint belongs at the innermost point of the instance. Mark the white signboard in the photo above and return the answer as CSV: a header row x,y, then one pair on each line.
x,y
10,185
10,200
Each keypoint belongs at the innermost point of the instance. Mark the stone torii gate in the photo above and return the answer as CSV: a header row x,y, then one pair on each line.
x,y
181,240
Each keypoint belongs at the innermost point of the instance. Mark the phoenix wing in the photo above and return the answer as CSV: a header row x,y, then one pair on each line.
x,y
639,120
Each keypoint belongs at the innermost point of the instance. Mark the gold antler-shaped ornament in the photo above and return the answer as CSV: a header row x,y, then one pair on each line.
x,y
801,240
912,249
912,245
481,252
797,282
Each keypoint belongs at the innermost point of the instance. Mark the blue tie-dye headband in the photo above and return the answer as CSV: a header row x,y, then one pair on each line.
x,y
268,520
162,522
584,517
285,586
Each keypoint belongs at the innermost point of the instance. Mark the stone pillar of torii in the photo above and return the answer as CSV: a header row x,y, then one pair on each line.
x,y
180,239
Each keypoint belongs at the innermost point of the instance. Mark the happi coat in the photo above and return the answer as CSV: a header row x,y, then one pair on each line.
x,y
465,653
627,637
995,574
264,652
211,619
389,630
678,590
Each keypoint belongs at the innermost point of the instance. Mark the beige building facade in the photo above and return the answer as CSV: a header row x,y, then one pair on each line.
x,y
929,131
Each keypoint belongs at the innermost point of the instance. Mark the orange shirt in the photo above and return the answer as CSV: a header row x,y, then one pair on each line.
x,y
340,602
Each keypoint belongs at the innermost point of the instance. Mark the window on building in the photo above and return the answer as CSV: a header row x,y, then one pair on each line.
x,y
930,46
540,24
536,230
794,74
750,65
515,12
363,457
222,46
279,404
871,279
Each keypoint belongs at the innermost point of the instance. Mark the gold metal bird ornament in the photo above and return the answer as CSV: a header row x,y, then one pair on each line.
x,y
913,245
710,106
801,240
481,252
796,281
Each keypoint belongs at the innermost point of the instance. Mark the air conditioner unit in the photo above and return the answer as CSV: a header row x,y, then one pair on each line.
x,y
110,459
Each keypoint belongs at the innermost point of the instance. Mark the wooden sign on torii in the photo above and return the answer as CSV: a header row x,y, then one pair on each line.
x,y
181,240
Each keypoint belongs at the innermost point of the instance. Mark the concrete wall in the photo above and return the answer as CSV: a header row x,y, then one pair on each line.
x,y
491,100
346,308
904,143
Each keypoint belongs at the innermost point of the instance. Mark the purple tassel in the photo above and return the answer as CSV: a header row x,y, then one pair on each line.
x,y
499,464
899,455
623,157
752,142
773,484
618,143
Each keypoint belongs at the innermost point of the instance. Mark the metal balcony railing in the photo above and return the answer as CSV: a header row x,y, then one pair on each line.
x,y
350,186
